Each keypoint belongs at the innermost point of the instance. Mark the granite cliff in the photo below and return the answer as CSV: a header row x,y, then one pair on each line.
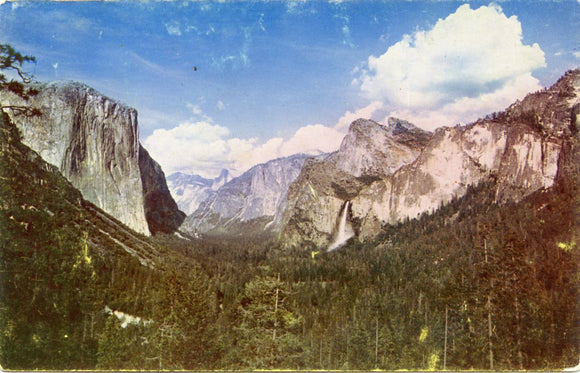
x,y
251,203
369,153
519,147
94,142
161,210
189,191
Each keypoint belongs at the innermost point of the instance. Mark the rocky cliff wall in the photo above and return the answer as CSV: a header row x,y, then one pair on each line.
x,y
258,195
519,147
161,211
94,142
521,159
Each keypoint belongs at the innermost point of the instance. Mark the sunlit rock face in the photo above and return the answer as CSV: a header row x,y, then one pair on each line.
x,y
369,153
370,148
94,141
315,201
251,203
387,181
456,158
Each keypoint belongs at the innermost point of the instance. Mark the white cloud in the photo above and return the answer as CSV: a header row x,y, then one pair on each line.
x,y
367,112
346,35
143,62
311,139
201,147
471,63
205,148
197,111
297,7
469,109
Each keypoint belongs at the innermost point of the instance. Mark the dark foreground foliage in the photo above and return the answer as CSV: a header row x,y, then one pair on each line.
x,y
471,285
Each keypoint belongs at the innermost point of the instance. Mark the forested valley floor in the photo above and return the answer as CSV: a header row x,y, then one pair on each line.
x,y
475,285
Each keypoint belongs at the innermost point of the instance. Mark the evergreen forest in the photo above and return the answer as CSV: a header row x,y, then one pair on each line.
x,y
474,285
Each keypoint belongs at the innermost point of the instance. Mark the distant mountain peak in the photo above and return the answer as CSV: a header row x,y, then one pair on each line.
x,y
252,202
190,190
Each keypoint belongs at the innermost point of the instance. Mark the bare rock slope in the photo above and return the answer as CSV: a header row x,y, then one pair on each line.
x,y
251,203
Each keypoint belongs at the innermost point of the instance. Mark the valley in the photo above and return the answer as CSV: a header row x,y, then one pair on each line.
x,y
455,249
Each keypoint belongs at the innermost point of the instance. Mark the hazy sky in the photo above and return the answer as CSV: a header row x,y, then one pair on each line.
x,y
231,84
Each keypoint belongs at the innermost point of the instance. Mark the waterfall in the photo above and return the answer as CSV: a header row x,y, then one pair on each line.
x,y
344,230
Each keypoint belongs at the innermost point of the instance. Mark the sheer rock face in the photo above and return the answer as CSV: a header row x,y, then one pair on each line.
x,y
94,142
455,158
251,203
161,211
369,153
387,182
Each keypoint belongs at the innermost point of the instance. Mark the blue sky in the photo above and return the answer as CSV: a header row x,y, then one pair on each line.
x,y
231,84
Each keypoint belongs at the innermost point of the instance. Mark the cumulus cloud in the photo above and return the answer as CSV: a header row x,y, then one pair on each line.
x,y
469,64
205,148
368,112
469,109
199,146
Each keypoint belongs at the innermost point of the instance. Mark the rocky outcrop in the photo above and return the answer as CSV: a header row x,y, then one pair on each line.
x,y
189,191
161,211
94,142
454,159
369,153
519,147
373,149
248,204
315,201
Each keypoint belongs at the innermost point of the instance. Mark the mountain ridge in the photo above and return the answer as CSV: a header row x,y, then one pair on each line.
x,y
257,195
520,147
